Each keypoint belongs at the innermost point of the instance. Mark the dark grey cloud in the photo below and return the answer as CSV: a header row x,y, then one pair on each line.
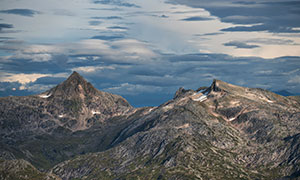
x,y
21,12
278,17
47,80
263,27
118,27
240,45
197,18
94,23
116,3
106,9
272,41
107,18
164,16
7,26
4,27
108,38
245,2
57,64
245,19
209,34
6,38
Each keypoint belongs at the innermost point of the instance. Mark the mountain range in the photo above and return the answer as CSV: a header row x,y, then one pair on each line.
x,y
74,131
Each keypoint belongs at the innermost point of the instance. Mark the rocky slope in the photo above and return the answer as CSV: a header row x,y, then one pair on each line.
x,y
220,132
22,170
69,119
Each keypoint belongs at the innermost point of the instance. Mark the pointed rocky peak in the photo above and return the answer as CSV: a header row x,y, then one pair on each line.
x,y
75,85
221,86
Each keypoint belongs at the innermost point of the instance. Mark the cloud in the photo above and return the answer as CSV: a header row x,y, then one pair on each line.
x,y
63,12
236,19
94,23
197,18
5,26
107,18
238,44
276,17
294,80
263,27
209,34
50,80
116,3
164,16
159,77
21,78
108,49
272,41
118,28
6,38
92,69
105,37
133,89
21,12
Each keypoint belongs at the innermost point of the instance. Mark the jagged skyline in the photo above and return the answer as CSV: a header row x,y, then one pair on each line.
x,y
146,50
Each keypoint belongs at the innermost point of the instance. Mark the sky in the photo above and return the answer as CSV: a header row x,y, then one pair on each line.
x,y
145,50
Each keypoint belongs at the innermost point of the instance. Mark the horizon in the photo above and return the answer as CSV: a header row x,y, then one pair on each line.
x,y
165,99
145,51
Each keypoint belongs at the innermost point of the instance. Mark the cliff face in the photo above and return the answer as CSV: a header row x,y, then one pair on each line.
x,y
220,132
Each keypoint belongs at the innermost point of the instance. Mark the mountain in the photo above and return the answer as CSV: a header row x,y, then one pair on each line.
x,y
69,119
284,93
219,132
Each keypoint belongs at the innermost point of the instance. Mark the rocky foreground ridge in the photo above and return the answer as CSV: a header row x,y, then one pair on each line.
x,y
75,131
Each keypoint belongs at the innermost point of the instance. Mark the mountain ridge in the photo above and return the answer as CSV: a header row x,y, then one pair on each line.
x,y
219,132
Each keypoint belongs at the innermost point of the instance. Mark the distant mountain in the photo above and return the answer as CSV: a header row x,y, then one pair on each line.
x,y
284,93
74,131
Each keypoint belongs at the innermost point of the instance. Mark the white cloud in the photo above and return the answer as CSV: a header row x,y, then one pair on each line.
x,y
126,50
92,69
21,78
26,78
133,89
294,80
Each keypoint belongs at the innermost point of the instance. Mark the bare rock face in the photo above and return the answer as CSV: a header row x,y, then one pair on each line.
x,y
220,132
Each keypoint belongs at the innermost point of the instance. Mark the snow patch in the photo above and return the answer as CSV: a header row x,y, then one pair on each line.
x,y
231,119
96,112
201,98
269,101
45,96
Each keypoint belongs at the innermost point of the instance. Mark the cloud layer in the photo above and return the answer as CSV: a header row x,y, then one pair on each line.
x,y
21,12
146,50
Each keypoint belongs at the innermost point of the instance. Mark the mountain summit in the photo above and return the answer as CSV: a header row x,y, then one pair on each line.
x,y
74,86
